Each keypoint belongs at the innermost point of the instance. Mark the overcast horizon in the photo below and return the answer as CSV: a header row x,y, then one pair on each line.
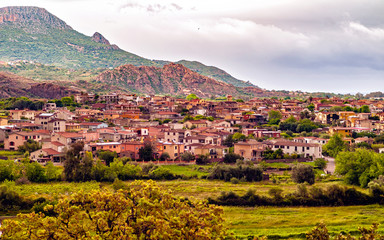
x,y
315,46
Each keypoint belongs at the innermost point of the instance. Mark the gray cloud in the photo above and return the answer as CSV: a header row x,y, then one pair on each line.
x,y
152,8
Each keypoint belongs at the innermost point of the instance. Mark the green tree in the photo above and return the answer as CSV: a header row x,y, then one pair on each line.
x,y
72,161
29,146
164,156
141,210
320,163
334,145
146,152
36,173
302,173
311,107
52,172
274,117
67,101
187,157
364,109
107,156
232,157
360,167
290,124
191,97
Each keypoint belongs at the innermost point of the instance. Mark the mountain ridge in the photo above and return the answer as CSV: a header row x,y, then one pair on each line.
x,y
34,34
172,78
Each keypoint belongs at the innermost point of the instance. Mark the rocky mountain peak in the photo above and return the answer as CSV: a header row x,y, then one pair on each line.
x,y
31,16
97,37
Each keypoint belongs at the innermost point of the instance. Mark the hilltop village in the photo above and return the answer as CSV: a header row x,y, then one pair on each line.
x,y
191,129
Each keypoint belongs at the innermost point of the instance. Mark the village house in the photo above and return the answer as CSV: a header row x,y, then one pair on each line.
x,y
173,149
195,123
16,139
311,150
251,150
67,138
212,151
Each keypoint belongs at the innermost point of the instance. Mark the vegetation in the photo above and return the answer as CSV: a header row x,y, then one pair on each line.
x,y
241,172
274,117
302,173
333,195
334,146
20,103
141,210
304,125
359,167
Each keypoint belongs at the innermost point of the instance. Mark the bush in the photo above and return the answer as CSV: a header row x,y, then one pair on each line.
x,y
235,180
226,173
232,157
302,173
202,160
320,163
142,211
36,173
161,174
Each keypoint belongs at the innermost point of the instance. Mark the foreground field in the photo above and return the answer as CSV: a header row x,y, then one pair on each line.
x,y
284,223
273,222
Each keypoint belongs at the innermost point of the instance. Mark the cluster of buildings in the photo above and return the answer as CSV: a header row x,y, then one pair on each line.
x,y
125,123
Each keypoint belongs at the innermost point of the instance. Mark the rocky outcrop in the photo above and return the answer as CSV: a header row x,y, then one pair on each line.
x,y
27,16
15,86
174,79
97,37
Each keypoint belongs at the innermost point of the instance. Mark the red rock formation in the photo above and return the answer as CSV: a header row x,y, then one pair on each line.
x,y
172,79
15,86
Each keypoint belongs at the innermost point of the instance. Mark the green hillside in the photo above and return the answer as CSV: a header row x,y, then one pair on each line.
x,y
33,34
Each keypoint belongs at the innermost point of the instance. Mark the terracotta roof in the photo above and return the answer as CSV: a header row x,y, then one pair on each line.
x,y
59,144
70,134
50,151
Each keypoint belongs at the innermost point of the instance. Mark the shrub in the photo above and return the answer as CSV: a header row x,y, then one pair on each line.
x,y
302,173
235,180
36,173
226,173
161,174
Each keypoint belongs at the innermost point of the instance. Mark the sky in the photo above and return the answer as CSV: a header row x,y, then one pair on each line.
x,y
318,45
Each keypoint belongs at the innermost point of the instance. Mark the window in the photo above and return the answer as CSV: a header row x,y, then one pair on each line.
x,y
165,147
175,147
307,148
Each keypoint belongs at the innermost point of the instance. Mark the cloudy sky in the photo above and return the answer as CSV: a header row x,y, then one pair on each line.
x,y
318,45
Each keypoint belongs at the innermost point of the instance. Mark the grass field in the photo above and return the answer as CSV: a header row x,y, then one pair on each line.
x,y
294,222
273,222
189,170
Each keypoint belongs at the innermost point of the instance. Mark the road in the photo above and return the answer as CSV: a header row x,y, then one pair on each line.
x,y
330,165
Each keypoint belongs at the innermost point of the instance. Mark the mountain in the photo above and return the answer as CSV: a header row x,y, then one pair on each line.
x,y
15,86
34,34
173,79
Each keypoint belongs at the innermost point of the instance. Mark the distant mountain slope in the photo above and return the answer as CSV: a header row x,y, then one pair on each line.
x,y
214,72
173,79
34,34
15,86
31,33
